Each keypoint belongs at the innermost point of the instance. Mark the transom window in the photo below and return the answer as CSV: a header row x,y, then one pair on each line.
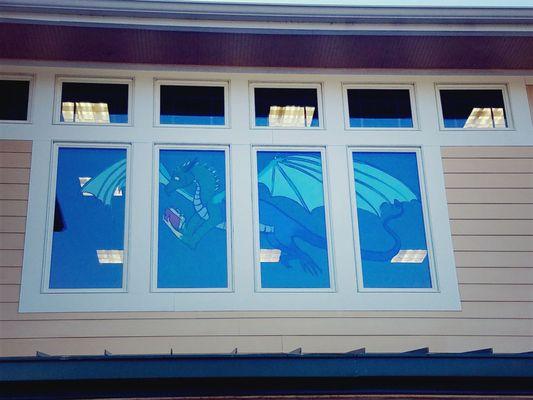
x,y
95,101
15,98
286,106
473,107
191,103
379,106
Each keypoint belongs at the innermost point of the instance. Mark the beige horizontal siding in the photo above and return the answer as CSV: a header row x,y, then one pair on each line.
x,y
490,211
485,181
489,191
12,224
13,208
492,227
14,175
488,165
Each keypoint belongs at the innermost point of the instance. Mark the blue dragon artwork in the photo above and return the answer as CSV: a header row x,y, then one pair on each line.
x,y
192,237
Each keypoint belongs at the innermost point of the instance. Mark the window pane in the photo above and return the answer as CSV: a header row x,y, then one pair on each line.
x,y
392,236
14,97
192,238
192,105
479,109
292,221
277,107
89,215
380,108
99,103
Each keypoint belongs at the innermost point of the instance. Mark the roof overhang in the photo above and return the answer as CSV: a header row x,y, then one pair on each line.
x,y
249,34
59,42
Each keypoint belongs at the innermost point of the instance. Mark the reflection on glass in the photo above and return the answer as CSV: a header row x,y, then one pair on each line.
x,y
280,107
292,221
88,233
85,112
192,105
192,248
14,100
473,109
97,103
380,108
392,236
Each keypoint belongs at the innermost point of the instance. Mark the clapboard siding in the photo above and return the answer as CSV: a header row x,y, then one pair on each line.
x,y
490,198
12,224
486,181
14,175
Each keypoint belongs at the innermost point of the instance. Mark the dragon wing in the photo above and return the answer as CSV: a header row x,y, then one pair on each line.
x,y
103,185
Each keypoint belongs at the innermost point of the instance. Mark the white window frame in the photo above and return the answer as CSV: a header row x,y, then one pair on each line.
x,y
287,85
168,82
425,215
327,222
155,219
380,86
95,80
466,87
45,284
242,141
31,80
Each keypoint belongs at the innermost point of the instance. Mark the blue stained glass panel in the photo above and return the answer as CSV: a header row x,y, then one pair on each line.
x,y
392,235
89,215
292,222
192,243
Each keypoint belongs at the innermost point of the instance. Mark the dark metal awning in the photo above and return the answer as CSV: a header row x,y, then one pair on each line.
x,y
354,372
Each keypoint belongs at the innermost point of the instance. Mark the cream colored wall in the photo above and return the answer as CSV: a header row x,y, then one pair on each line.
x,y
490,197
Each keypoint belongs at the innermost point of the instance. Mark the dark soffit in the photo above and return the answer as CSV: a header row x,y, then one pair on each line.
x,y
369,51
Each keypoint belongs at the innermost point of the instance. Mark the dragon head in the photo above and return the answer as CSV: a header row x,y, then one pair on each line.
x,y
181,176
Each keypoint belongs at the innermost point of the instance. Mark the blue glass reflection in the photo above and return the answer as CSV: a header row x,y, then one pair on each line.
x,y
89,219
391,224
192,240
292,221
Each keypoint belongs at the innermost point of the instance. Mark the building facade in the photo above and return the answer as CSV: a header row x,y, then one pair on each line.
x,y
195,178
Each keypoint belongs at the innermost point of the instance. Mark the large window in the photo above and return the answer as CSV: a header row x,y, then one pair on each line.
x,y
87,224
393,241
292,214
192,219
